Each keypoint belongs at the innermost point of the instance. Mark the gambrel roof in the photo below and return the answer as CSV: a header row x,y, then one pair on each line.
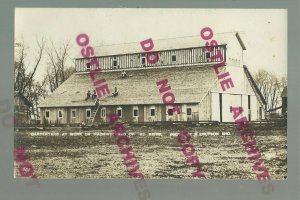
x,y
189,85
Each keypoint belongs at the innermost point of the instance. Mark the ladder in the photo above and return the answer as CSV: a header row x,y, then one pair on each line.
x,y
92,118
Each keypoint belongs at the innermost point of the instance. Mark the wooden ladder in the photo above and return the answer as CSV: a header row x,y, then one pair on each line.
x,y
92,118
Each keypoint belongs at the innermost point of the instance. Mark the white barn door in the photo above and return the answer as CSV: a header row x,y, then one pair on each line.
x,y
228,101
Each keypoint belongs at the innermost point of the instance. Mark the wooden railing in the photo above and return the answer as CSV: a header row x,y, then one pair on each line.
x,y
187,56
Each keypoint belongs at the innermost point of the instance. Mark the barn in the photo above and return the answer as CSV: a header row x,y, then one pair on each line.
x,y
135,96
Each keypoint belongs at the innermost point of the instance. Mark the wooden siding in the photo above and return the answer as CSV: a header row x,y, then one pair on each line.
x,y
129,61
205,108
127,114
80,115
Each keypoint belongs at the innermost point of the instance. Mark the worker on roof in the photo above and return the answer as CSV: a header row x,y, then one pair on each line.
x,y
94,96
115,93
88,95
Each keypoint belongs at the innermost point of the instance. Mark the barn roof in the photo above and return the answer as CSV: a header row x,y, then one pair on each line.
x,y
164,44
189,84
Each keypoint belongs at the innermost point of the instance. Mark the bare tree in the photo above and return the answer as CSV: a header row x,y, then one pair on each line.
x,y
41,46
25,83
57,72
271,87
37,92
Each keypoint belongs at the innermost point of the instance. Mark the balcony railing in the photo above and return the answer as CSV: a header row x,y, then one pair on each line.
x,y
188,56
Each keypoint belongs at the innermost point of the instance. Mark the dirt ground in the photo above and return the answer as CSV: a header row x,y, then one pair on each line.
x,y
222,157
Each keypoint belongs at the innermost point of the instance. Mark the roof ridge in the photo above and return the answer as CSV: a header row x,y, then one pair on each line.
x,y
189,36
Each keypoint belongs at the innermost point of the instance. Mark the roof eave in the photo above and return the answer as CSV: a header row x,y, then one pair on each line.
x,y
240,41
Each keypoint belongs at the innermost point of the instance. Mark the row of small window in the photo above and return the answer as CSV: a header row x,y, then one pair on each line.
x,y
152,113
103,113
73,113
173,59
143,60
60,113
135,112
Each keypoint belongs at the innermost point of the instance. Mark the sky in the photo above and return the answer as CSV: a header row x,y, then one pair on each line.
x,y
263,31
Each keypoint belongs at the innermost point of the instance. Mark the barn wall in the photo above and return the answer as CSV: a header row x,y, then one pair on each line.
x,y
195,112
215,106
194,55
63,119
184,114
174,117
147,114
234,100
141,113
241,87
245,106
240,81
111,109
254,108
80,115
160,110
205,106
234,53
127,114
104,117
230,101
52,115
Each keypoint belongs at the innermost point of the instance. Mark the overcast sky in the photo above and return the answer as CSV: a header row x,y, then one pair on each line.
x,y
264,31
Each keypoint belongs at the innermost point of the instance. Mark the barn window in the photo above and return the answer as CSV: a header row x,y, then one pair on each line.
x,y
189,111
73,113
88,113
152,111
207,56
103,112
170,111
60,115
47,113
119,112
88,66
143,59
115,63
135,111
173,58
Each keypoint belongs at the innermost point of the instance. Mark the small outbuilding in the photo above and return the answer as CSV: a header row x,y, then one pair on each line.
x,y
22,109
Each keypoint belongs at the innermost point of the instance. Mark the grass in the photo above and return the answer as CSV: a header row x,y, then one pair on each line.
x,y
222,157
